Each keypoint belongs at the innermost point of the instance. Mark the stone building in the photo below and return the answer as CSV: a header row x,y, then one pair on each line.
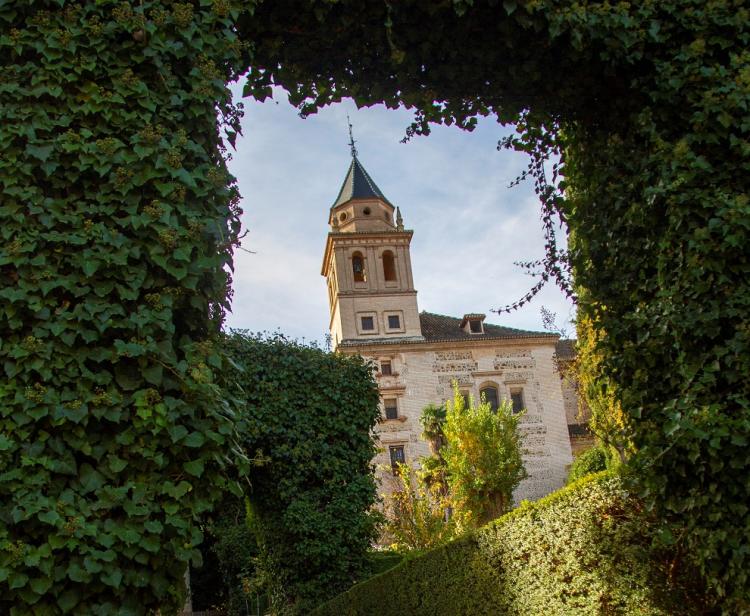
x,y
374,313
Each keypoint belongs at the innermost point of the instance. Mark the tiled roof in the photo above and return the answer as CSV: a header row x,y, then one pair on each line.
x,y
358,185
437,327
566,349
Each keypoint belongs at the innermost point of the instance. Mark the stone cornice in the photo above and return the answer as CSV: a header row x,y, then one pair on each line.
x,y
365,348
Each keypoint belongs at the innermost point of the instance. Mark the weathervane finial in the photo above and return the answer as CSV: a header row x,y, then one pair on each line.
x,y
351,138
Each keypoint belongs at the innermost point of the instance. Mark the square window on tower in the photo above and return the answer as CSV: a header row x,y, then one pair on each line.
x,y
394,321
368,324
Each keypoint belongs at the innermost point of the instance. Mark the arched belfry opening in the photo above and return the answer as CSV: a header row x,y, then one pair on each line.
x,y
358,267
389,266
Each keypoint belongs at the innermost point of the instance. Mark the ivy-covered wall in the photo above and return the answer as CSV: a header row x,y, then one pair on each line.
x,y
117,222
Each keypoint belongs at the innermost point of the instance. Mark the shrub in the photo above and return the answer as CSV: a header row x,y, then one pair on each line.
x,y
229,552
311,502
416,514
585,549
592,460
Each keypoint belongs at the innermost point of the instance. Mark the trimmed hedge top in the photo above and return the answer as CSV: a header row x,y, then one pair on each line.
x,y
585,549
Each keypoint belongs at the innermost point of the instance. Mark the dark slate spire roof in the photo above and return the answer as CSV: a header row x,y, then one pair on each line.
x,y
358,185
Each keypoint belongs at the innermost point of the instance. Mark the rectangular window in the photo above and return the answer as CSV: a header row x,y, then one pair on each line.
x,y
394,322
391,409
475,326
490,395
516,396
467,401
368,324
397,456
385,368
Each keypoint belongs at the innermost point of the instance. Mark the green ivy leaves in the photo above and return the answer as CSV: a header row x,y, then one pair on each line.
x,y
113,438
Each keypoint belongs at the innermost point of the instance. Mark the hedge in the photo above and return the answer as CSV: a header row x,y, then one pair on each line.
x,y
585,549
310,414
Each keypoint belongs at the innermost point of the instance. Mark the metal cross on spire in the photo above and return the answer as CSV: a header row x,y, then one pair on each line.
x,y
351,138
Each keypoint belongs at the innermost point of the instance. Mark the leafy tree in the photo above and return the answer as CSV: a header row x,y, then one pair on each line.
x,y
416,514
434,472
483,459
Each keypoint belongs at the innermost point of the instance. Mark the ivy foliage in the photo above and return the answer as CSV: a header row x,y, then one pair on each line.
x,y
647,104
117,222
585,549
311,415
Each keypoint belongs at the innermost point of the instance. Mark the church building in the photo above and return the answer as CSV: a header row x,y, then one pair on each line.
x,y
374,313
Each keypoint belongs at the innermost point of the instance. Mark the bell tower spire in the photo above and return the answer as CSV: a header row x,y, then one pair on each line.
x,y
351,138
367,264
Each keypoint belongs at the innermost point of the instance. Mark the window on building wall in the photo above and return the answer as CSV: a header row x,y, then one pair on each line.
x,y
465,396
368,324
394,321
490,394
386,368
391,409
358,267
397,456
475,326
389,266
516,396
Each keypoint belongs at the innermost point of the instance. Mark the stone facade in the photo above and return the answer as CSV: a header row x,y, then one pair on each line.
x,y
417,356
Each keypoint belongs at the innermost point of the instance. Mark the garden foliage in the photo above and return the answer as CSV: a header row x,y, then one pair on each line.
x,y
117,219
415,514
226,579
648,105
310,414
117,223
483,463
583,550
593,460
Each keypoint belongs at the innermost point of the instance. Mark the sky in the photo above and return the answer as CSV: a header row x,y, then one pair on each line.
x,y
452,188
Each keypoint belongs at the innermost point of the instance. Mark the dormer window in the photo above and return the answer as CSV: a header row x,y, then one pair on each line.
x,y
473,323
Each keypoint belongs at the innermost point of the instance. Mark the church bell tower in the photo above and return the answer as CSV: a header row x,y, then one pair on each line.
x,y
368,266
